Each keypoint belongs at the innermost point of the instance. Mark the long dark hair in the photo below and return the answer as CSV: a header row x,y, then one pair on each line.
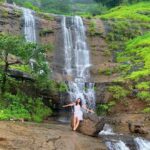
x,y
80,103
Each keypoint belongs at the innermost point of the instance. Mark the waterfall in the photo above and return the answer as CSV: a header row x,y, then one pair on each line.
x,y
29,25
107,130
77,60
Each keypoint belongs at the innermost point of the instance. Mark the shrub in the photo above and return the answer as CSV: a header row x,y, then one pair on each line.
x,y
146,110
21,106
144,95
143,86
118,92
102,109
63,87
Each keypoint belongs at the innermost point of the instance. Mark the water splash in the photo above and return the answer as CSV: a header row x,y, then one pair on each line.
x,y
107,130
142,144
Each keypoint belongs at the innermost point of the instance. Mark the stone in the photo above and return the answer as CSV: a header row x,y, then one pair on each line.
x,y
19,75
91,125
137,128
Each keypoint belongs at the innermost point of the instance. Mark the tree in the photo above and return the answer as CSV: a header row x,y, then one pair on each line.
x,y
16,46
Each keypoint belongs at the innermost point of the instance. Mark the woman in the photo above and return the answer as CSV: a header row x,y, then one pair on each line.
x,y
78,114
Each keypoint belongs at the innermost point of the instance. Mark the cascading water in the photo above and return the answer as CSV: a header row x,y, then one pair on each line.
x,y
29,25
116,141
142,144
29,29
77,60
117,145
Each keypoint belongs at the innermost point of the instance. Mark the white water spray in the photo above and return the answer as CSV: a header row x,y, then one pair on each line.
x,y
142,144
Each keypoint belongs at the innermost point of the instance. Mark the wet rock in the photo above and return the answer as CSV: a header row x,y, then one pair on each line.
x,y
49,136
91,125
137,128
19,75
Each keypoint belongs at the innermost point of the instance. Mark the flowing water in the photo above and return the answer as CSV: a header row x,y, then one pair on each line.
x,y
142,144
29,25
77,60
116,141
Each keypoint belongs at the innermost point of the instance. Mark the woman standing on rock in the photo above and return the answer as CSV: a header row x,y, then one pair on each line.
x,y
78,114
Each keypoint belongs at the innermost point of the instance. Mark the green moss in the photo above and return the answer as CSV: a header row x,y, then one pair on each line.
x,y
4,13
106,71
17,13
45,32
45,16
92,29
23,68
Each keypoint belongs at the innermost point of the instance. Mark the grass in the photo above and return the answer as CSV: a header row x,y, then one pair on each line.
x,y
136,12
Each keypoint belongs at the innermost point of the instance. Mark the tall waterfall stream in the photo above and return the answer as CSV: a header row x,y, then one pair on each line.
x,y
77,60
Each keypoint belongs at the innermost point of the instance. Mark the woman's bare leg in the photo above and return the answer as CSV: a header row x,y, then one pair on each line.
x,y
77,124
74,122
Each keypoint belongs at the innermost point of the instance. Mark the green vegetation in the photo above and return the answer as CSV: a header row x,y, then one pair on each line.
x,y
20,106
139,11
15,102
119,93
103,109
93,30
143,86
144,95
146,110
66,7
137,54
45,32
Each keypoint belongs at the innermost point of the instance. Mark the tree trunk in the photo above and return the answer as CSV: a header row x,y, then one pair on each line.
x,y
4,76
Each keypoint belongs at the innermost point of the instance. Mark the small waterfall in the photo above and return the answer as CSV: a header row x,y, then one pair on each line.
x,y
116,141
107,130
29,25
116,145
77,60
142,144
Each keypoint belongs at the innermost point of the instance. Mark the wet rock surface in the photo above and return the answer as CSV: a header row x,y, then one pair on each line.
x,y
45,136
91,125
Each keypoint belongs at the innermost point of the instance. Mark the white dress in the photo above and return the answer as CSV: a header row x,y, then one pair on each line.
x,y
78,112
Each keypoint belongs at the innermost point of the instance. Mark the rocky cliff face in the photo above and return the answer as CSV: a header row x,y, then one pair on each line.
x,y
49,32
10,20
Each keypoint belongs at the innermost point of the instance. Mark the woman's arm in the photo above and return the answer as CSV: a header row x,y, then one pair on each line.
x,y
68,105
89,110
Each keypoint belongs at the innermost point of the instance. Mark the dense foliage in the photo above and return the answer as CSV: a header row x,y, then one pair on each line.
x,y
15,102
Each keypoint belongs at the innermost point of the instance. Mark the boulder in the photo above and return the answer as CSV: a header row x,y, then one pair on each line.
x,y
91,125
19,75
137,127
